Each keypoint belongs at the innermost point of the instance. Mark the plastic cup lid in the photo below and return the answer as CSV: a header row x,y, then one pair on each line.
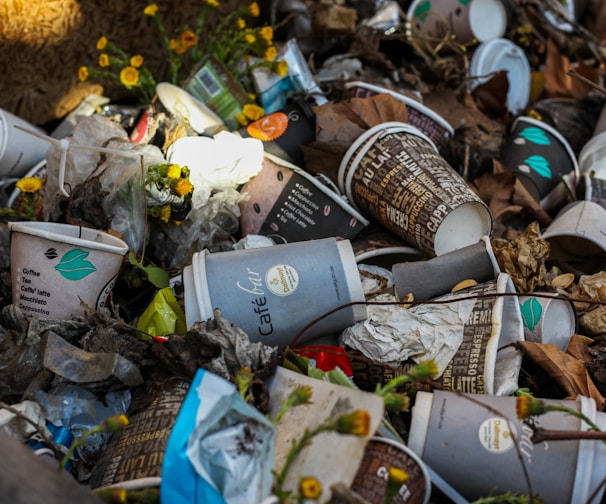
x,y
502,54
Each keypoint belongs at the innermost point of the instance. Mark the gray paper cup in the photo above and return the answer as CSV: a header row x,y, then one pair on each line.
x,y
272,293
427,279
457,435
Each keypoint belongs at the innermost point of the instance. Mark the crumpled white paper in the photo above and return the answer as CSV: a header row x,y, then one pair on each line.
x,y
222,162
392,334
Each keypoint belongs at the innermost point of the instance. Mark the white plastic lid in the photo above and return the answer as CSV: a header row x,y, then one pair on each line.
x,y
502,54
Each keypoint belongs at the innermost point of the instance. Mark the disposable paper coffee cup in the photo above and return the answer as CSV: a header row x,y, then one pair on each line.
x,y
376,246
288,205
56,268
501,54
428,279
592,158
479,20
540,156
548,320
457,435
429,122
595,189
379,456
577,232
272,293
394,174
134,456
19,151
184,106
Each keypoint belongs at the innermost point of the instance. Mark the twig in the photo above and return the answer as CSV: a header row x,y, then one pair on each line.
x,y
577,75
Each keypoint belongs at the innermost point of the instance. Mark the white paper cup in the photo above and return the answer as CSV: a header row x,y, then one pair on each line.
x,y
577,232
56,268
502,54
479,20
272,293
456,437
548,320
592,158
19,151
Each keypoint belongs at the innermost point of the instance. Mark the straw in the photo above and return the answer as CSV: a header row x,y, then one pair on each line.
x,y
64,145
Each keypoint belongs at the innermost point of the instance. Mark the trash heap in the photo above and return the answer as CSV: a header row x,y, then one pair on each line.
x,y
379,279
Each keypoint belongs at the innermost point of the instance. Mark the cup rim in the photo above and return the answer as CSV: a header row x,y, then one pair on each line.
x,y
55,231
591,147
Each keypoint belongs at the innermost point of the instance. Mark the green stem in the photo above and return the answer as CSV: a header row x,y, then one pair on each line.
x,y
76,444
574,413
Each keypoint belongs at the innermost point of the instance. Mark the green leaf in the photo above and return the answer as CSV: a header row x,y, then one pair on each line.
x,y
540,165
157,276
535,135
74,266
531,312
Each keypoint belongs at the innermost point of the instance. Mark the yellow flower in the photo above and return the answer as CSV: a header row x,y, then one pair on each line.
x,y
104,60
164,213
83,73
270,53
266,33
240,23
183,187
173,171
253,9
300,395
241,118
425,369
397,476
396,402
281,68
177,46
111,494
310,488
252,111
29,184
136,60
251,96
102,43
114,423
212,3
356,423
527,406
250,38
151,10
129,76
188,39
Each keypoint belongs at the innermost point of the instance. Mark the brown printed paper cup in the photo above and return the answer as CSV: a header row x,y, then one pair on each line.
x,y
430,123
539,156
548,320
458,435
394,174
379,456
272,293
56,268
288,205
133,458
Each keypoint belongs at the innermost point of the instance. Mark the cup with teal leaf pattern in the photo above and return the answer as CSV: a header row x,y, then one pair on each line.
x,y
551,320
57,270
542,159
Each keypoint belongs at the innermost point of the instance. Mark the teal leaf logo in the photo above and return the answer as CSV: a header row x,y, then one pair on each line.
x,y
540,165
74,266
422,10
464,2
535,135
531,312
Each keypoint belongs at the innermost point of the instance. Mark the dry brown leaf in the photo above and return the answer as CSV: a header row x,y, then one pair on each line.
x,y
496,190
567,371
